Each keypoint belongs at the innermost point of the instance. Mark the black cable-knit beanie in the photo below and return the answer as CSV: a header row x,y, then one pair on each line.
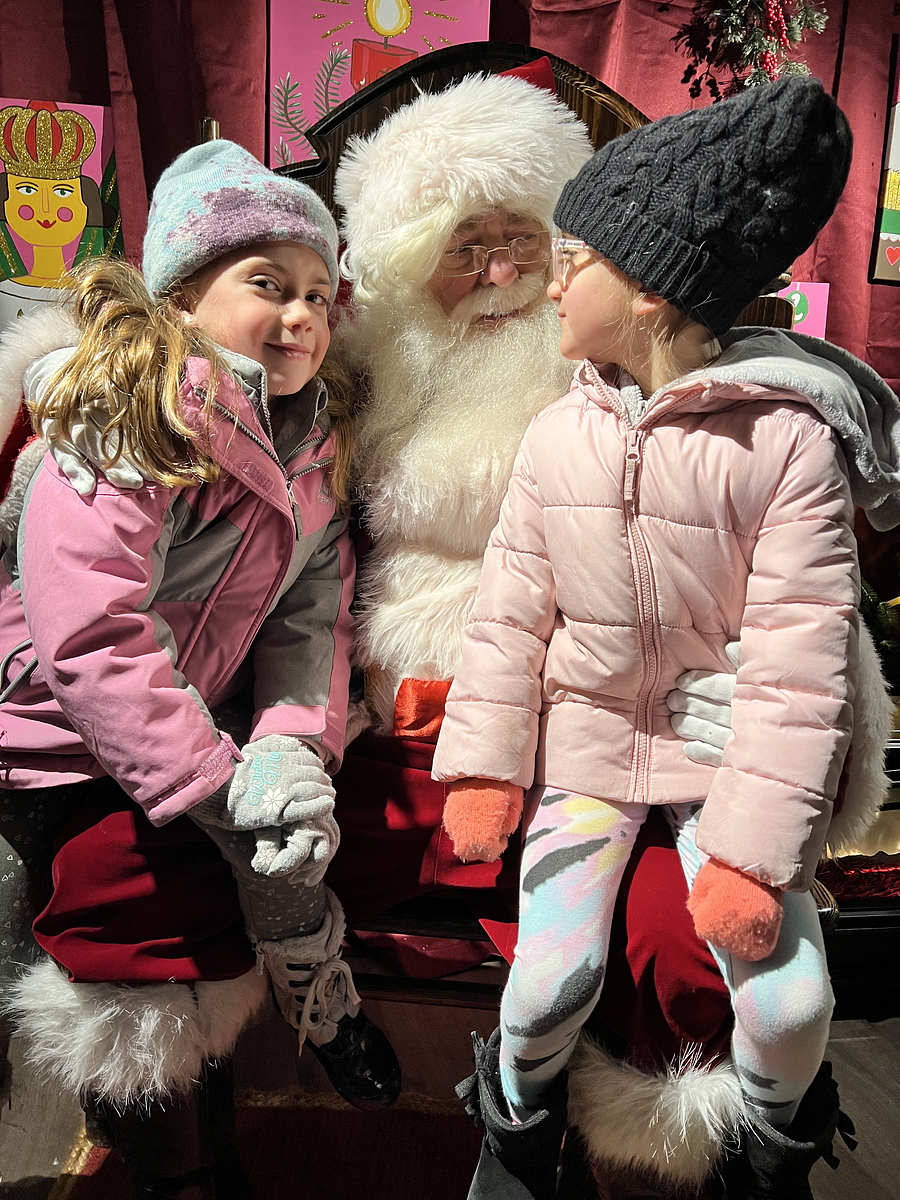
x,y
707,207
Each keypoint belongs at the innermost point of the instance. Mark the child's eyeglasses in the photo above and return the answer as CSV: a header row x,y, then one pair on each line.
x,y
530,250
565,252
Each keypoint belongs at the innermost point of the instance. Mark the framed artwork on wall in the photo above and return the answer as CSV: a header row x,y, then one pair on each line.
x,y
323,51
58,197
885,262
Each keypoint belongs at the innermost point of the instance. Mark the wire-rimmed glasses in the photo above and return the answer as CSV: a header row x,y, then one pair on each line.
x,y
530,251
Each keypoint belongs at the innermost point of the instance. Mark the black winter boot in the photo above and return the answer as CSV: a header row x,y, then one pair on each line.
x,y
770,1165
180,1148
518,1162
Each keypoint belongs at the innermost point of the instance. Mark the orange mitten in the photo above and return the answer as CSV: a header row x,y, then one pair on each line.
x,y
479,815
735,912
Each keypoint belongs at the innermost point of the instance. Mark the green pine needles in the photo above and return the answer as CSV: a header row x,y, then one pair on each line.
x,y
748,42
287,104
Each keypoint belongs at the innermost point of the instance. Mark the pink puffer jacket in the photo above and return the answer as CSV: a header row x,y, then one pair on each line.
x,y
626,555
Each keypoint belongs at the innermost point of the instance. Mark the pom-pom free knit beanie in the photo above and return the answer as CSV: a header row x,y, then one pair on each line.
x,y
707,207
217,197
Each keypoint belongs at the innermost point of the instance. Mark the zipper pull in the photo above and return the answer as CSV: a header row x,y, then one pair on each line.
x,y
631,462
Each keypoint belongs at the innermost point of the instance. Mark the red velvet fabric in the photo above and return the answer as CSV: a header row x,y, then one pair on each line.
x,y
393,846
133,903
161,66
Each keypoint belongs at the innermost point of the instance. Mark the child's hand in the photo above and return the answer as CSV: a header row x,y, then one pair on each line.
x,y
302,850
280,782
735,912
479,816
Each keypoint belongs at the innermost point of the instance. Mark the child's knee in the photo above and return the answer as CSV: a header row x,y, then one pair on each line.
x,y
770,1015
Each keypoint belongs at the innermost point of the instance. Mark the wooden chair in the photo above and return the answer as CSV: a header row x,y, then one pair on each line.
x,y
604,112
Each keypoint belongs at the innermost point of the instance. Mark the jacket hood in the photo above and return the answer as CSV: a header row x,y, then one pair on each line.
x,y
854,400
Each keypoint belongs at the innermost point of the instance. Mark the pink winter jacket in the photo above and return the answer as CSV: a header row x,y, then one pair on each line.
x,y
624,556
125,616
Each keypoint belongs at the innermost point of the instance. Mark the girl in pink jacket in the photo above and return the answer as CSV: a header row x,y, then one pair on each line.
x,y
207,571
688,491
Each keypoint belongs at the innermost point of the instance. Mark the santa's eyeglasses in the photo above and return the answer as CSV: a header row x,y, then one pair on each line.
x,y
530,251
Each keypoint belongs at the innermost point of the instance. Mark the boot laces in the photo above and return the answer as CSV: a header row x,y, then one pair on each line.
x,y
331,983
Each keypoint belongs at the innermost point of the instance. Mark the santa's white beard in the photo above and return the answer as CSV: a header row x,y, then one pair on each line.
x,y
435,444
445,415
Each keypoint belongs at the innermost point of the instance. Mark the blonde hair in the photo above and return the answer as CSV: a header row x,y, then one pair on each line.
x,y
130,361
661,339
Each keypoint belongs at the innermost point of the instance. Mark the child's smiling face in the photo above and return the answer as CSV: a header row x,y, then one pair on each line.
x,y
268,302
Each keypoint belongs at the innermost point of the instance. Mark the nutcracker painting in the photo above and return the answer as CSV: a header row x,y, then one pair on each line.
x,y
58,199
323,51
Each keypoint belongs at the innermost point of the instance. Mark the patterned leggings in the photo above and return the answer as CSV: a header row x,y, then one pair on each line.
x,y
574,857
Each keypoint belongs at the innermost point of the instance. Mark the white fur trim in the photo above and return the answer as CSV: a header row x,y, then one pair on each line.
x,y
128,1043
487,140
24,342
27,462
672,1123
867,783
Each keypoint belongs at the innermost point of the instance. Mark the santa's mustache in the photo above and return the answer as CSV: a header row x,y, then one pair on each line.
x,y
497,302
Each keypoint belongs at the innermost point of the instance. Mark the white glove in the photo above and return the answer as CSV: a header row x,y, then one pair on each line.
x,y
701,710
280,782
302,850
86,450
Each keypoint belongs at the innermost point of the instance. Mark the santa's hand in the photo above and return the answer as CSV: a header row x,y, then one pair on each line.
x,y
736,912
701,710
479,816
280,782
302,850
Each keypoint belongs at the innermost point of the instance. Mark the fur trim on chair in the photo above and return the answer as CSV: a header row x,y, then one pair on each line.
x,y
125,1043
24,342
867,783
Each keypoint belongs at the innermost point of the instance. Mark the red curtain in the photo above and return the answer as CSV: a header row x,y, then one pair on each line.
x,y
162,66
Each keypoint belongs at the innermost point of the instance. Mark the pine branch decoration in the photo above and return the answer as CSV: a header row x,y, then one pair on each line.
x,y
287,115
750,42
331,72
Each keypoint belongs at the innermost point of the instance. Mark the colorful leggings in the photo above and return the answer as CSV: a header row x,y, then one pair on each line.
x,y
572,864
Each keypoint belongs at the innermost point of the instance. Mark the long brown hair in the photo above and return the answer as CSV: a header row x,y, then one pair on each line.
x,y
129,362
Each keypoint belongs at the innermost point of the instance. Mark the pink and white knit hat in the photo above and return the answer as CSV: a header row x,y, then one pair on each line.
x,y
216,198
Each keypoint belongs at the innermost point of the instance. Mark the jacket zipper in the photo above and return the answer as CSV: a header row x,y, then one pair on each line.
x,y
645,593
648,624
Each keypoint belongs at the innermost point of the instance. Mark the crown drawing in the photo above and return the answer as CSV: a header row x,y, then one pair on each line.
x,y
44,141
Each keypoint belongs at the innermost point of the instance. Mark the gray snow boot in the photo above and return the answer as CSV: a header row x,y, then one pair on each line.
x,y
517,1162
770,1165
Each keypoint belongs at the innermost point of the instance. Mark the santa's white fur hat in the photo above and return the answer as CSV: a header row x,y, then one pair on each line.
x,y
487,141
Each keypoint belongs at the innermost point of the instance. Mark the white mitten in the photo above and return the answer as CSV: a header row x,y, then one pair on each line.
x,y
701,710
86,450
280,782
302,849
